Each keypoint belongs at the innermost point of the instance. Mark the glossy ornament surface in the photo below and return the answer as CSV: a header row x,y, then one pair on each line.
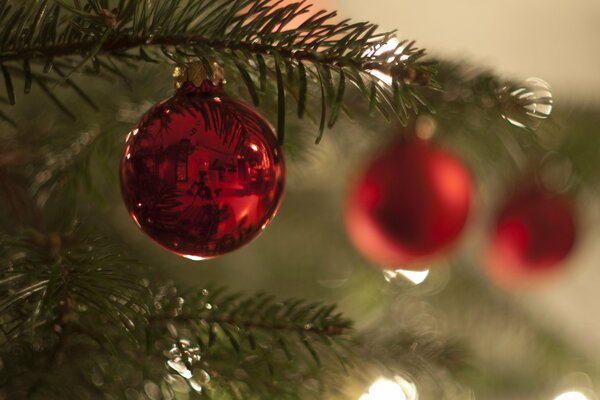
x,y
534,233
202,174
409,204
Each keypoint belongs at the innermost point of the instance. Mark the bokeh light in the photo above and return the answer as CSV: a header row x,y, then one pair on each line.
x,y
387,389
571,395
415,277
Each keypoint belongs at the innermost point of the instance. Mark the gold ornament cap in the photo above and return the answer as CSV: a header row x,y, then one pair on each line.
x,y
196,73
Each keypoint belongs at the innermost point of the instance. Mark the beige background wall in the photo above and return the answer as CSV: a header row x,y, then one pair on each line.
x,y
556,40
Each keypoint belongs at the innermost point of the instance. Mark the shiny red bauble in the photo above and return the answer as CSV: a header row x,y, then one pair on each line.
x,y
410,204
202,174
534,233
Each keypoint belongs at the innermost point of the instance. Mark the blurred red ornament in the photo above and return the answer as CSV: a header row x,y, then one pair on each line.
x,y
202,174
534,233
411,203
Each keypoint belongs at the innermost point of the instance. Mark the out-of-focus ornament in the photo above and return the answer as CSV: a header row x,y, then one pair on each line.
x,y
534,233
526,104
410,203
202,174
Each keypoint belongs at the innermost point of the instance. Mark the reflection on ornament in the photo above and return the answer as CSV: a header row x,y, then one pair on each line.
x,y
386,389
571,395
202,174
527,104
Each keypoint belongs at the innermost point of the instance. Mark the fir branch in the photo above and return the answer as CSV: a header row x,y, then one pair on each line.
x,y
64,298
57,280
85,299
274,342
254,36
263,312
407,350
520,103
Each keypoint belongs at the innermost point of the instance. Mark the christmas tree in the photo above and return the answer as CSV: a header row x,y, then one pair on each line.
x,y
414,197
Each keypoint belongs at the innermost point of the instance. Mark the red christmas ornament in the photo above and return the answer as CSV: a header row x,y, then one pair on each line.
x,y
410,204
534,233
202,174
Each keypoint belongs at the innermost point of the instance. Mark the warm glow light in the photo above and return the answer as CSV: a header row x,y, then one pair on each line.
x,y
386,389
391,45
416,277
425,127
573,395
193,258
136,220
382,77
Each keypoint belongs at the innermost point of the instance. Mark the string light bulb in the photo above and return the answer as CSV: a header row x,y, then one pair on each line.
x,y
571,395
388,389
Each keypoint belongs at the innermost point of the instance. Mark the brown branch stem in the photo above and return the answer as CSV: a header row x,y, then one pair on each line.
x,y
124,43
325,330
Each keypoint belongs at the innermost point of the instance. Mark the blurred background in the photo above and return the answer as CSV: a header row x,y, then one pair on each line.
x,y
535,343
538,343
554,39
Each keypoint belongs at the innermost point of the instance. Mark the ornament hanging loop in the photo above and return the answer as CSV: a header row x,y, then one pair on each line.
x,y
196,73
